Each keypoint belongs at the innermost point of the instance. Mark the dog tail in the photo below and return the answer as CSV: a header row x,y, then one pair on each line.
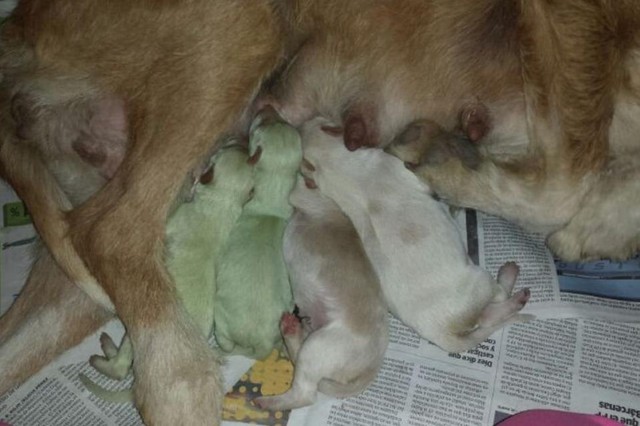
x,y
25,171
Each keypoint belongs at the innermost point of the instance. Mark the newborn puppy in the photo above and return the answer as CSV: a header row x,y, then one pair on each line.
x,y
427,278
252,281
339,348
196,234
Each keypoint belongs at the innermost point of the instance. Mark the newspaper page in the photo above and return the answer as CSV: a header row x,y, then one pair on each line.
x,y
566,360
602,289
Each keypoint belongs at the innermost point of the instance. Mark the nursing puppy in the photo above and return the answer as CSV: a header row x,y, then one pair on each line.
x,y
560,80
339,347
427,278
196,235
184,73
252,282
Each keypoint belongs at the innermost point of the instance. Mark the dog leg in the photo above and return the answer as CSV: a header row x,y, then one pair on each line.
x,y
607,224
50,315
309,371
507,275
116,361
425,142
23,168
120,231
516,192
292,334
497,313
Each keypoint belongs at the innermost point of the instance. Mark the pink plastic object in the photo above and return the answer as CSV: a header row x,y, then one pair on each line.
x,y
555,418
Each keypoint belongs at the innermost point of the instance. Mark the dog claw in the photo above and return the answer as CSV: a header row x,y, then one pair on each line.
x,y
253,160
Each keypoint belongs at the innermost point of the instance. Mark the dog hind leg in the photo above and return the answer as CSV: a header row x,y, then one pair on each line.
x,y
607,224
124,248
50,315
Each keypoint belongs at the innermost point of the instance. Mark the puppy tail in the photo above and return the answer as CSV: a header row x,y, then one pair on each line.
x,y
24,170
118,397
353,387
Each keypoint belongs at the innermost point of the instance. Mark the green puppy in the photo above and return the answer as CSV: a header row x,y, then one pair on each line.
x,y
195,235
253,284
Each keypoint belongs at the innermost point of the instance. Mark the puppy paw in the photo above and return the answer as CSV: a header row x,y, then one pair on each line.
x,y
507,276
117,361
289,324
522,297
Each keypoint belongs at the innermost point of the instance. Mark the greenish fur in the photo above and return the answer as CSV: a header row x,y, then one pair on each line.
x,y
195,235
253,283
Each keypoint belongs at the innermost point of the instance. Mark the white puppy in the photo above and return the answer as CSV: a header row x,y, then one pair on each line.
x,y
427,278
339,347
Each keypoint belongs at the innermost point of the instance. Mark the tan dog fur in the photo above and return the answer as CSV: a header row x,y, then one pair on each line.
x,y
186,72
561,81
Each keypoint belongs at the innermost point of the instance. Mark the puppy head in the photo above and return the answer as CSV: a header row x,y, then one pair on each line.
x,y
274,146
231,172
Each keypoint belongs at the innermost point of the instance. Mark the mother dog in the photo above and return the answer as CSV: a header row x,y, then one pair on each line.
x,y
559,79
548,90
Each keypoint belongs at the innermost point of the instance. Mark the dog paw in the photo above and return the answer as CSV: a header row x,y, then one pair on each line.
x,y
507,275
522,297
116,362
289,324
450,182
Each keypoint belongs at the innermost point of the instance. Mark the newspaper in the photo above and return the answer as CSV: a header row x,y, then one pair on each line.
x,y
581,354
